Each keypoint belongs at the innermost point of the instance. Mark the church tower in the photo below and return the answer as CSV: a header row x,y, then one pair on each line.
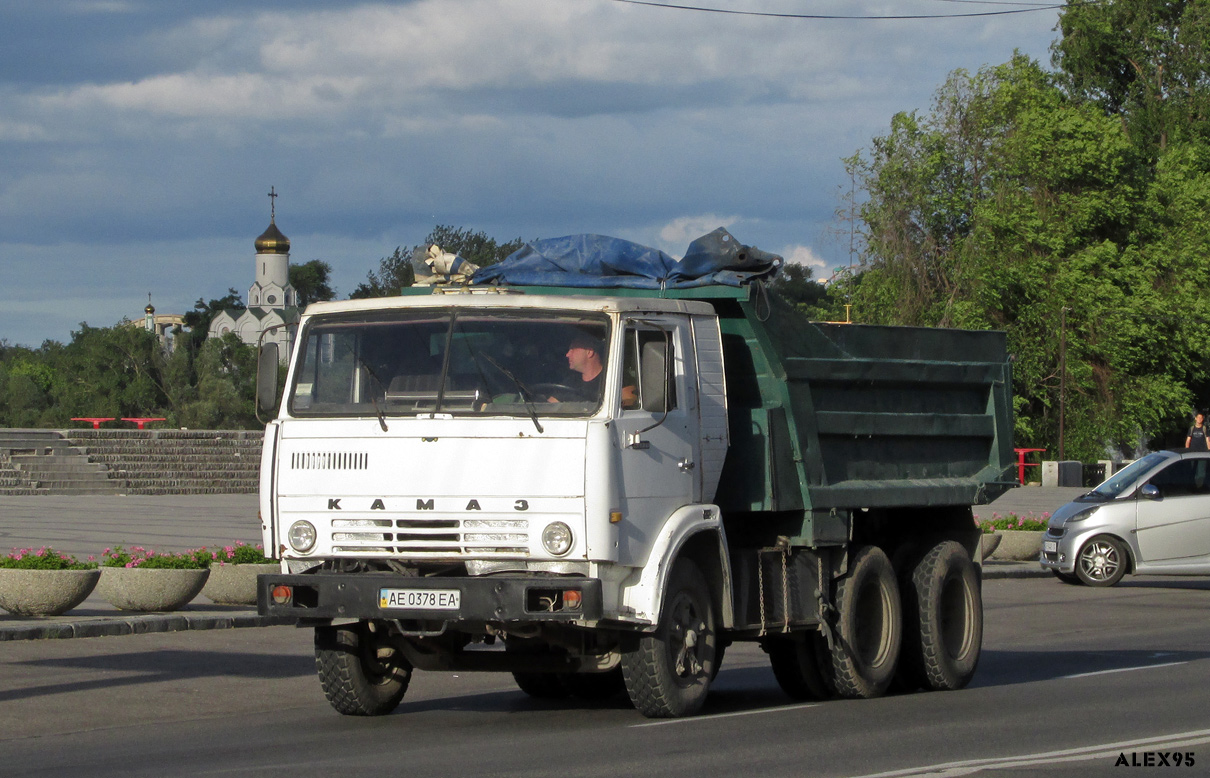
x,y
272,308
272,289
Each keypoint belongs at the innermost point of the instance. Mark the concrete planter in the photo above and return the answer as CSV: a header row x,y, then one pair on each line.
x,y
149,589
988,544
1019,546
44,592
235,584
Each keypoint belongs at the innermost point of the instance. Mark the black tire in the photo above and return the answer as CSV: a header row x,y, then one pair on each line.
x,y
868,629
361,673
1067,578
1102,561
797,666
595,686
542,686
668,671
942,620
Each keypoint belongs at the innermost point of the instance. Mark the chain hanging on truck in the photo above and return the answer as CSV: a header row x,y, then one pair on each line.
x,y
783,550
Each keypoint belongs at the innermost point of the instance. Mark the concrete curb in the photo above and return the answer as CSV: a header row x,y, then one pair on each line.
x,y
63,628
135,625
993,569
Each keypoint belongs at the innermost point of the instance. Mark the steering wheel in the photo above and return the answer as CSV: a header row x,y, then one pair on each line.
x,y
561,392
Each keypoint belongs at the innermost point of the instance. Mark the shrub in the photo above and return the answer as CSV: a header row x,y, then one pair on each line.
x,y
1012,521
137,556
44,559
241,554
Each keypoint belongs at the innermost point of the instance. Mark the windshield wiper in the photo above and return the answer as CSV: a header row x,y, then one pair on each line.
x,y
382,418
522,389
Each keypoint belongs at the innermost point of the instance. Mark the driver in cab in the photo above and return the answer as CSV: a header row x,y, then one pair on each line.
x,y
584,358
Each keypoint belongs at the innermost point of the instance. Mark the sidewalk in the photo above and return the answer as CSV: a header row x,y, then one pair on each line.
x,y
87,525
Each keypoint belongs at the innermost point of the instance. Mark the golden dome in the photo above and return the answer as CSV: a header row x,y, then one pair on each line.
x,y
149,309
272,241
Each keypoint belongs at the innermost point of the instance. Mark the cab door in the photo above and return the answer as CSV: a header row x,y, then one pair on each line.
x,y
1175,524
656,430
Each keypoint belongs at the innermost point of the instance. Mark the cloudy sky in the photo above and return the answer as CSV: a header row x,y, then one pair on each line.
x,y
139,138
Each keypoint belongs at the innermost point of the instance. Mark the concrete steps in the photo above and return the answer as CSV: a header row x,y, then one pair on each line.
x,y
44,462
126,461
175,461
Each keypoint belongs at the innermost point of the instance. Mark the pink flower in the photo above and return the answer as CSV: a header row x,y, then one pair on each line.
x,y
92,558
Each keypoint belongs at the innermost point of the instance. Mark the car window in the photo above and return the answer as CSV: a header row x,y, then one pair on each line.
x,y
1183,478
1124,478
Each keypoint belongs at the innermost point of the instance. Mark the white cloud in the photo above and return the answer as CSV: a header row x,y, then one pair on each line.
x,y
678,233
806,256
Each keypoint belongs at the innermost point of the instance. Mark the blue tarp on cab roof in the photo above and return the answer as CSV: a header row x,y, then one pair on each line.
x,y
600,261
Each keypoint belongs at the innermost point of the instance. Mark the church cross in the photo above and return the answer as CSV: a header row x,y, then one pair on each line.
x,y
273,195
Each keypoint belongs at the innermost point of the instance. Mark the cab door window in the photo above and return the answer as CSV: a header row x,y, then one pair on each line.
x,y
648,380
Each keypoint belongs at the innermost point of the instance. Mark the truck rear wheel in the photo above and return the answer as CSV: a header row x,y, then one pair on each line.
x,y
595,686
797,668
668,672
943,619
542,686
360,672
868,630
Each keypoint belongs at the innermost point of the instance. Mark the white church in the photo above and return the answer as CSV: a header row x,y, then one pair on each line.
x,y
272,302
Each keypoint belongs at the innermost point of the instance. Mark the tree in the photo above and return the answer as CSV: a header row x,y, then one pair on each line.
x,y
198,320
395,272
311,282
1144,61
795,284
1007,204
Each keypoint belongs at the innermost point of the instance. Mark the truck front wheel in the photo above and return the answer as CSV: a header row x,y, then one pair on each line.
x,y
868,629
668,672
361,673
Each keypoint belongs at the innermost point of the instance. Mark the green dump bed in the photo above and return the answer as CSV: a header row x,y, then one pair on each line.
x,y
851,416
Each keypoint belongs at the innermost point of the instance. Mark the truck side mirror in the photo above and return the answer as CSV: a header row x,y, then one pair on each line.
x,y
266,379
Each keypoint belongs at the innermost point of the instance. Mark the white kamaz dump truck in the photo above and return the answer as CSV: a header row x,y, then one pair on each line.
x,y
451,483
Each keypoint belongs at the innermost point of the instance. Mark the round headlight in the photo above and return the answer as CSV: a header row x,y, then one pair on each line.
x,y
556,538
302,536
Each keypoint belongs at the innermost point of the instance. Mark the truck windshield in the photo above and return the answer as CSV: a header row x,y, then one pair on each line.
x,y
448,361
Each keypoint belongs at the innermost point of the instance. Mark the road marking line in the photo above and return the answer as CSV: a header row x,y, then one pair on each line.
x,y
691,719
1126,669
1085,753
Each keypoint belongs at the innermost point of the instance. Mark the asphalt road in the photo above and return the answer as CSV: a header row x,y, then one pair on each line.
x,y
1071,680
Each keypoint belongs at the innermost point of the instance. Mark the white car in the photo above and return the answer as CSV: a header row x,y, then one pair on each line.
x,y
1152,517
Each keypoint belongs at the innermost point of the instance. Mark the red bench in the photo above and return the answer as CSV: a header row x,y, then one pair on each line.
x,y
96,421
142,421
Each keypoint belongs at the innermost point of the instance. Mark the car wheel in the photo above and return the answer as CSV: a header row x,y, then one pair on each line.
x,y
1102,561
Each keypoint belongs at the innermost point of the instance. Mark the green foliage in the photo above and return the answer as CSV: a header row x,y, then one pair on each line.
x,y
1013,522
1014,205
1143,61
311,282
44,558
795,284
137,556
241,553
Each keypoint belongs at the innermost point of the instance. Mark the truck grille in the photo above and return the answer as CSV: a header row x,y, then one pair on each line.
x,y
431,537
329,460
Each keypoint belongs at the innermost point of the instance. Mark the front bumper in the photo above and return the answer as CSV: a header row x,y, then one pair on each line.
x,y
505,598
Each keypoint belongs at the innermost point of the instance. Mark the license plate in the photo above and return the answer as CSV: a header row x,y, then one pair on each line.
x,y
1050,546
420,599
